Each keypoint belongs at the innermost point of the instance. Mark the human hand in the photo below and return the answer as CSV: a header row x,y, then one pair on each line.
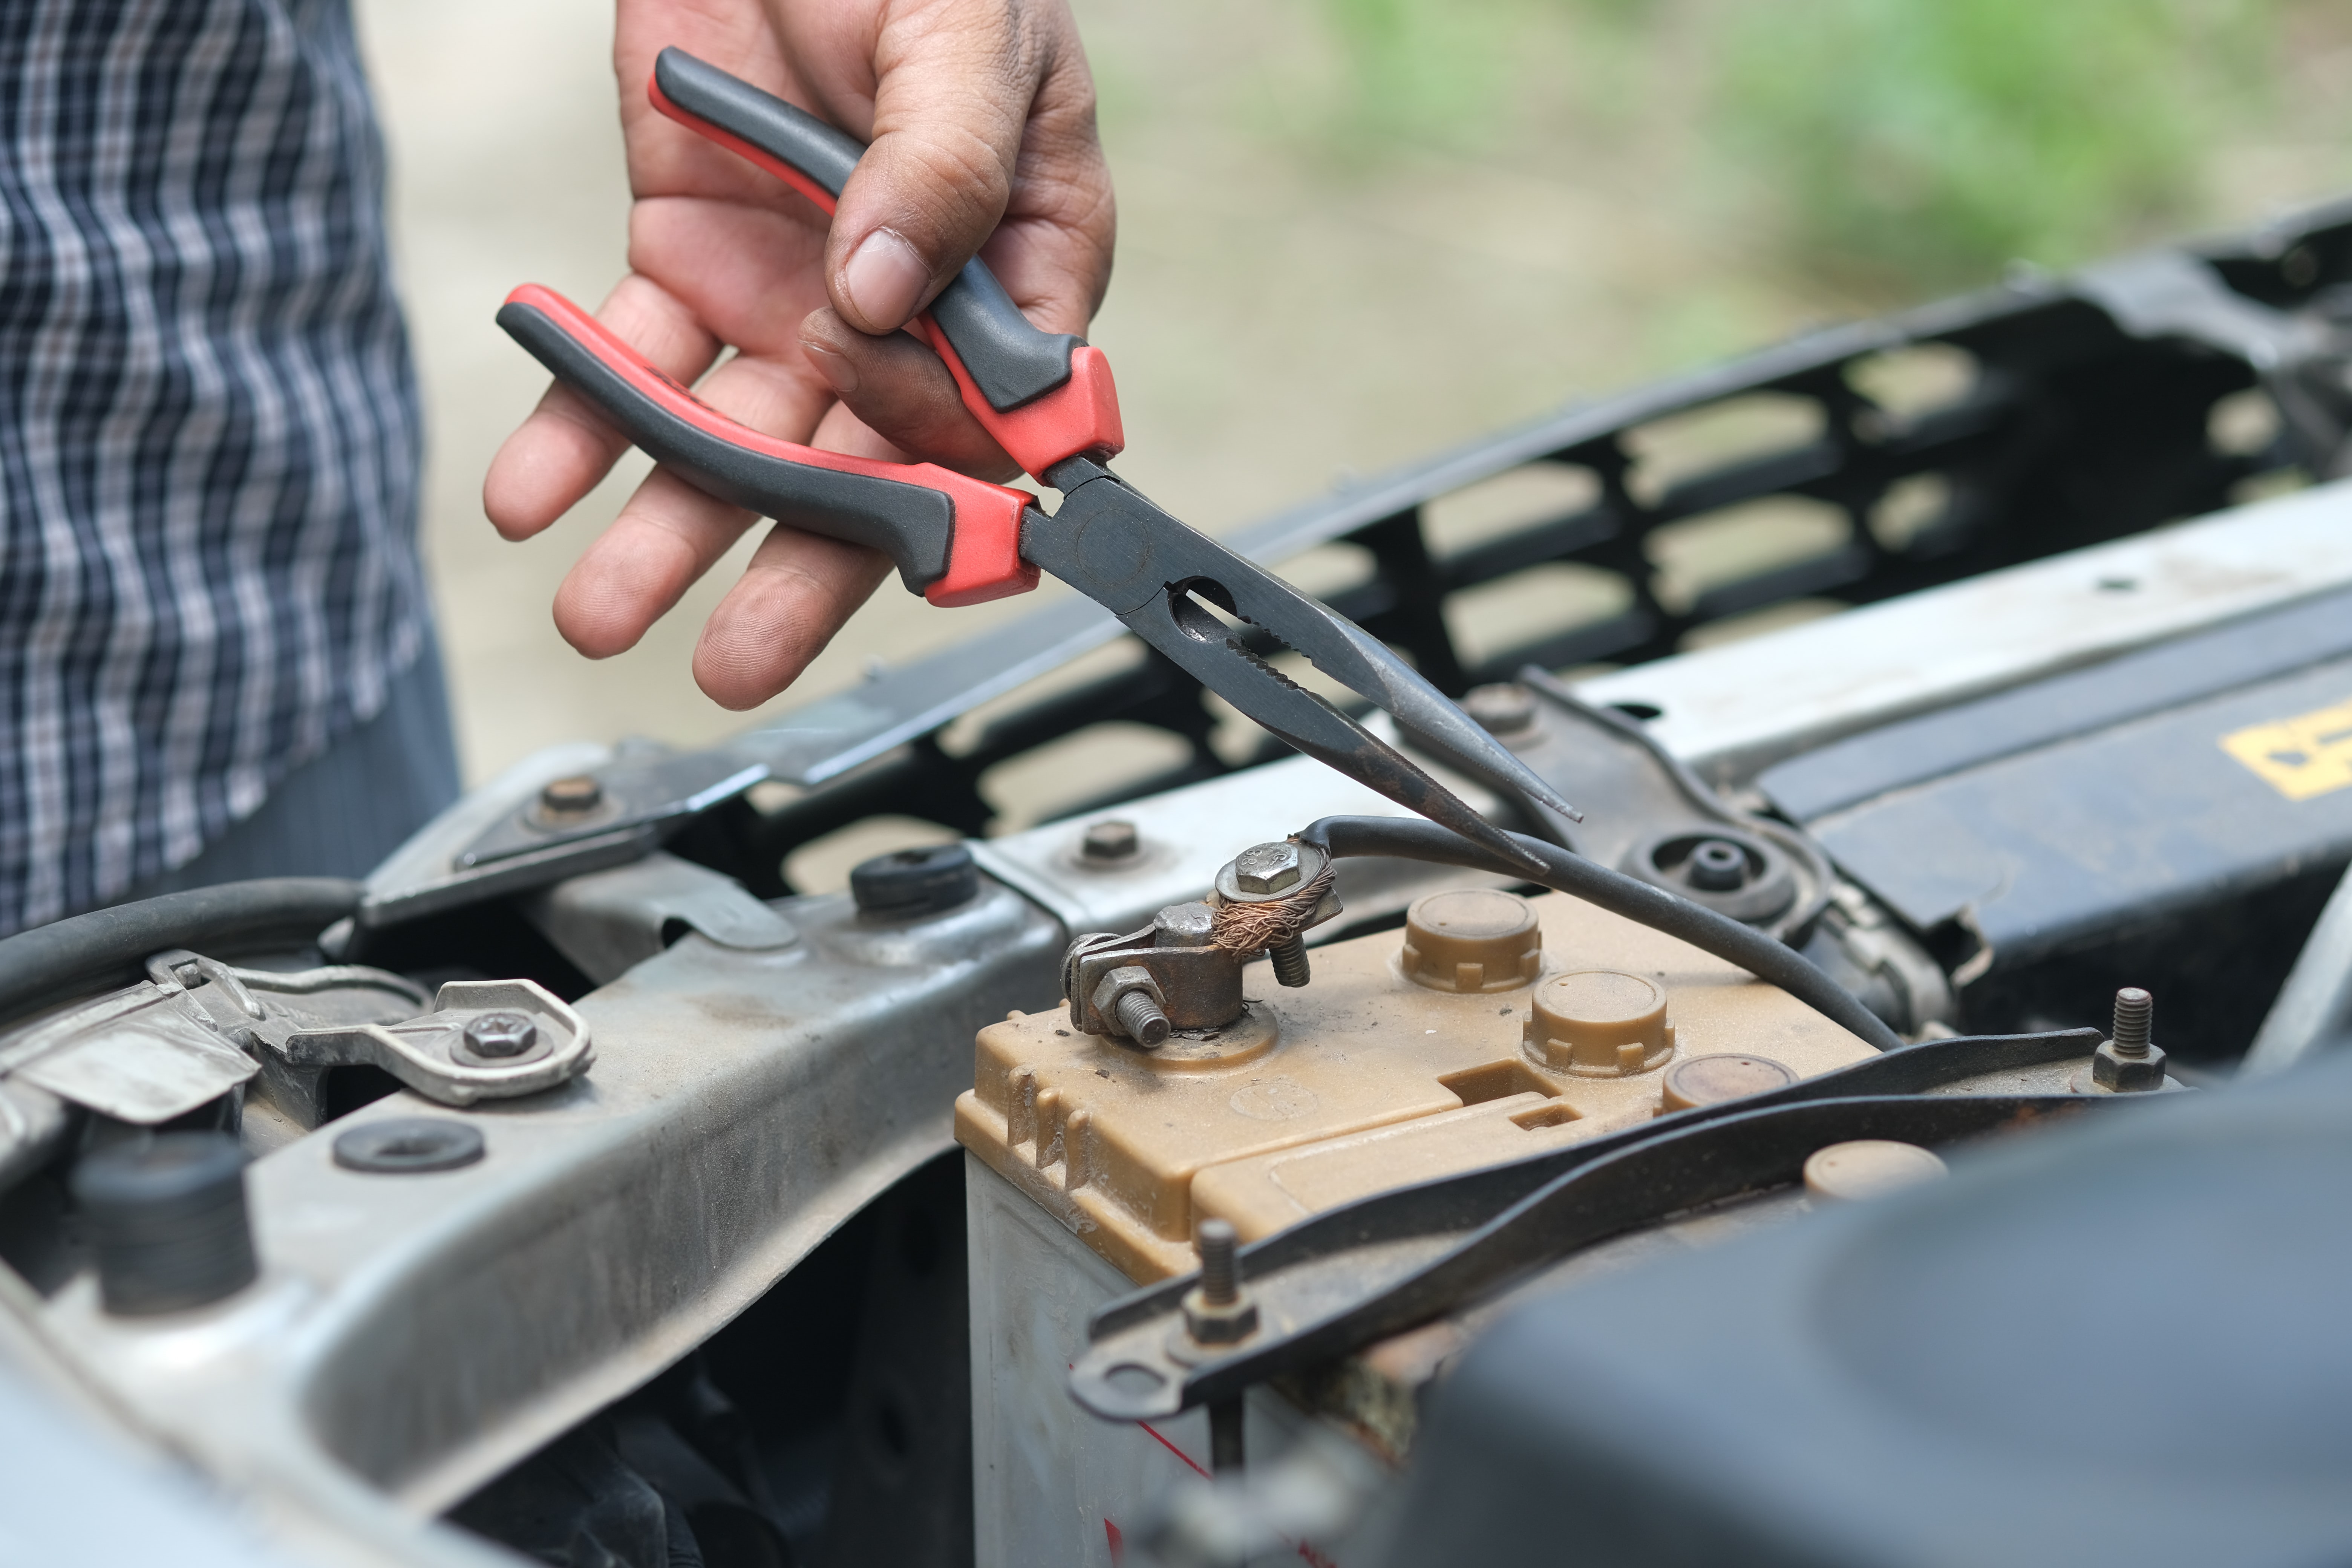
x,y
980,116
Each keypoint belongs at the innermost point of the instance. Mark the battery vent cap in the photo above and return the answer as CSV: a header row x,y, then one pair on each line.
x,y
1599,1022
1471,940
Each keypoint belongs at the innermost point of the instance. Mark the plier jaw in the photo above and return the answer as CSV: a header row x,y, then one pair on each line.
x,y
1162,579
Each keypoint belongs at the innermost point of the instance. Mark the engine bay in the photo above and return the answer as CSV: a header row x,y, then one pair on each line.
x,y
1231,1168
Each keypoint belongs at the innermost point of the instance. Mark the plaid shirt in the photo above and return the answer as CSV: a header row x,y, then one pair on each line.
x,y
208,429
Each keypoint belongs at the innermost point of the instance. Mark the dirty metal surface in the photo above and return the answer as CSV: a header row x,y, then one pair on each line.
x,y
411,1335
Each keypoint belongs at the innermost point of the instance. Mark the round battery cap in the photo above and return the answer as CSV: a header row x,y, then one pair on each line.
x,y
1471,940
1727,1075
1599,1022
1868,1167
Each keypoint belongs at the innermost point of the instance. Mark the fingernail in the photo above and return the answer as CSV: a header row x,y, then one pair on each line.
x,y
884,278
833,364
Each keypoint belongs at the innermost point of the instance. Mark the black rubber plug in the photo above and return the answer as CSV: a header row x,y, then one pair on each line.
x,y
400,1145
167,1222
914,883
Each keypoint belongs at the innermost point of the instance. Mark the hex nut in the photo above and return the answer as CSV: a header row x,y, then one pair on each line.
x,y
500,1034
1117,982
2120,1074
1266,868
1109,841
1219,1325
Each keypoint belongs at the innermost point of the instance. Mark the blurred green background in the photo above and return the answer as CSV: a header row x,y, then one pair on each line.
x,y
1353,232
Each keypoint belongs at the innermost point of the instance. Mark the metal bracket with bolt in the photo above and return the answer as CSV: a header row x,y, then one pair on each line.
x,y
485,1039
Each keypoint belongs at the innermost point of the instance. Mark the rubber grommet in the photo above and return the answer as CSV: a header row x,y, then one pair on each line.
x,y
167,1222
912,882
404,1145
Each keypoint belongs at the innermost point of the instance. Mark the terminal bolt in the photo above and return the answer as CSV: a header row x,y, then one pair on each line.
x,y
1130,996
2130,1062
1218,1311
1267,868
500,1034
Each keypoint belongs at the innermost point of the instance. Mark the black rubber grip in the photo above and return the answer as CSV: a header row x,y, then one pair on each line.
x,y
912,524
1009,358
786,133
1011,361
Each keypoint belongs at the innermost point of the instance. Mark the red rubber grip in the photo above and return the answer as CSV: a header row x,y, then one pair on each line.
x,y
984,546
1079,415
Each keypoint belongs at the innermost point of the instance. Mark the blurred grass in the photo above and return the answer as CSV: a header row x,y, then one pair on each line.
x,y
1354,232
1891,147
1935,141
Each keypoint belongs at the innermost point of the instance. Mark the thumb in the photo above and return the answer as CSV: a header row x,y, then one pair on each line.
x,y
955,81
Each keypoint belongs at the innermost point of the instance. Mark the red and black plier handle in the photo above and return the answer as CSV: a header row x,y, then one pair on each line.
x,y
1043,396
955,540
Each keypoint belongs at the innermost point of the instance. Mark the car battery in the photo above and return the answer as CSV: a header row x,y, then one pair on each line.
x,y
1491,1028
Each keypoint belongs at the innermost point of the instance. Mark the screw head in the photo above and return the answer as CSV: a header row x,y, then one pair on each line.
x,y
500,1034
1266,868
572,795
1108,841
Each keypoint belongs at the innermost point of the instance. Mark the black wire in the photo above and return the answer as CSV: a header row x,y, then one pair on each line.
x,y
1765,957
107,947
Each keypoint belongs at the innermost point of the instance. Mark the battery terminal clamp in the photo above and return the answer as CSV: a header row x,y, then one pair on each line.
x,y
1183,972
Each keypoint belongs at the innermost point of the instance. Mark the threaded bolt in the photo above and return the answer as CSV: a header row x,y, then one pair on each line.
x,y
1220,1269
1141,1018
1290,965
572,797
1109,840
2135,1015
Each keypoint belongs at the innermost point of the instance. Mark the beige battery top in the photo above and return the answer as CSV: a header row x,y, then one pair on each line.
x,y
1492,1027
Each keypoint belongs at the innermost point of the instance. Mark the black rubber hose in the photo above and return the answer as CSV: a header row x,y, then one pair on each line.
x,y
1765,957
109,947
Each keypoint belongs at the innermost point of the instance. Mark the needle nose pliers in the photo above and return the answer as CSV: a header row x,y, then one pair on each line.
x,y
1048,400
